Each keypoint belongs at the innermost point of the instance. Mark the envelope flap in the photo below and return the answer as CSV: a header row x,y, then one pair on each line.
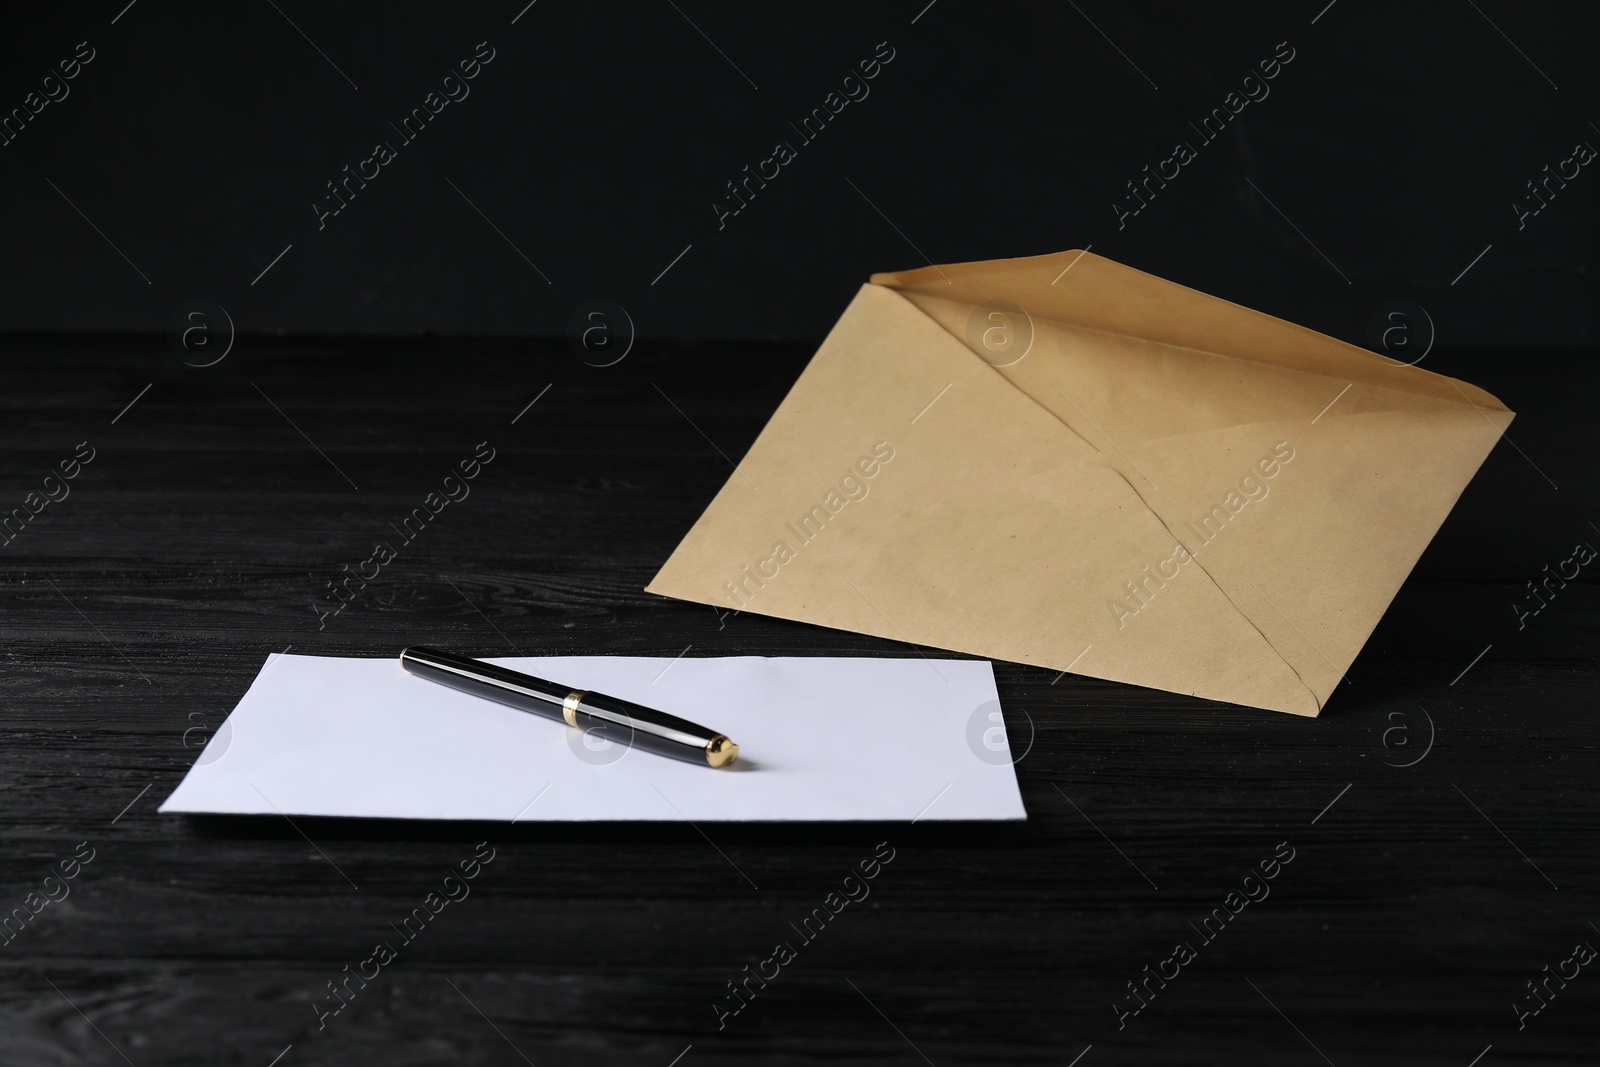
x,y
1119,391
1085,290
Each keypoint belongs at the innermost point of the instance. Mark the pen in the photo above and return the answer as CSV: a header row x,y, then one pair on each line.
x,y
631,724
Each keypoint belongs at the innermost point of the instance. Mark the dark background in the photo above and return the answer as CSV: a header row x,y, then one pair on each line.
x,y
1443,808
596,141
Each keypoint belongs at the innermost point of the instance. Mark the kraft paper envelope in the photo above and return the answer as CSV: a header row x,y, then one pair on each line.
x,y
1065,462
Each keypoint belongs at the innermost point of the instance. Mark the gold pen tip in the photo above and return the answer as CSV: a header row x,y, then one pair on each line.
x,y
720,752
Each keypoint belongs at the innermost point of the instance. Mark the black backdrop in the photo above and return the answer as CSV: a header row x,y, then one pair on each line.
x,y
1384,159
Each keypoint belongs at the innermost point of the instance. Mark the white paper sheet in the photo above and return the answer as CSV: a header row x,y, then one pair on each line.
x,y
819,740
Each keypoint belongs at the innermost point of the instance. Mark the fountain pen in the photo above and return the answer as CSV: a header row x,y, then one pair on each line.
x,y
623,721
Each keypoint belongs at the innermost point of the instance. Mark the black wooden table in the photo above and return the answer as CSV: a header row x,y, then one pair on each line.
x,y
1441,814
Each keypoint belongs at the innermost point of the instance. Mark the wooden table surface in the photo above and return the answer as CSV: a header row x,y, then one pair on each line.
x,y
1420,901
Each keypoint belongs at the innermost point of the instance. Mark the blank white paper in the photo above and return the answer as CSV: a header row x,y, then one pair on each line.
x,y
819,740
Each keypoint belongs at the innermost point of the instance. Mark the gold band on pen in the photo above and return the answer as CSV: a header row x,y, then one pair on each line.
x,y
569,706
720,751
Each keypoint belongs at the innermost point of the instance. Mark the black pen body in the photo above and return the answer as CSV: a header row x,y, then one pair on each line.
x,y
521,691
620,721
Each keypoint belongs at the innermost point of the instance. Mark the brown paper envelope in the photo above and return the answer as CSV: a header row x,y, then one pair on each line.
x,y
1101,503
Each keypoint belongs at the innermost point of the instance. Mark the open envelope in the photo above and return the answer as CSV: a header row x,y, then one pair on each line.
x,y
1065,462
